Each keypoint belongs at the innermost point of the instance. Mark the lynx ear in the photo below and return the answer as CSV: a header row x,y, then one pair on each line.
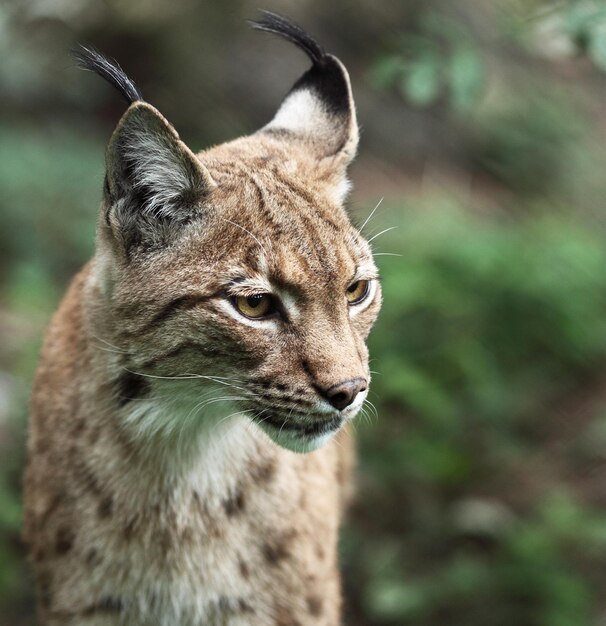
x,y
153,180
319,109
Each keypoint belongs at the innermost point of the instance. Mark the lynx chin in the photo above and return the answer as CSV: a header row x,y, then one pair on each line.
x,y
218,333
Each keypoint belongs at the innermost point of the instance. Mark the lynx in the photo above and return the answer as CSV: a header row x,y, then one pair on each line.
x,y
188,451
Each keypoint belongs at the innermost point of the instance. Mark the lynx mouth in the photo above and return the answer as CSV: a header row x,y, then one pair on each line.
x,y
299,437
311,430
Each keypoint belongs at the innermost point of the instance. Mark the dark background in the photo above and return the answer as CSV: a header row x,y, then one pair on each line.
x,y
482,478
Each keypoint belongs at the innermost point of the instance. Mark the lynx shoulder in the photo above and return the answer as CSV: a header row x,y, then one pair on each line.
x,y
188,451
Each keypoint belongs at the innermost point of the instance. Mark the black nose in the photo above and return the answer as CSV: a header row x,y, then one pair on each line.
x,y
343,394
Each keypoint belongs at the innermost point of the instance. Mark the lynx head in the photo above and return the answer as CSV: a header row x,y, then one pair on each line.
x,y
238,266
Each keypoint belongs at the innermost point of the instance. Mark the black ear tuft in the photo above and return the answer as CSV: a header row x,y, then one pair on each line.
x,y
92,60
326,76
282,26
318,112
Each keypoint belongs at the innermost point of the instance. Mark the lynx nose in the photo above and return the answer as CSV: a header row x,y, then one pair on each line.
x,y
343,394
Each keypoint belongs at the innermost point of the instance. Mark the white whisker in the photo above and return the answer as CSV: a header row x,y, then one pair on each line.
x,y
371,214
247,231
221,380
110,350
110,346
385,230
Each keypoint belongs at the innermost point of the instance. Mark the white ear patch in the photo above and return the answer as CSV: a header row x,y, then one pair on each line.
x,y
305,115
302,112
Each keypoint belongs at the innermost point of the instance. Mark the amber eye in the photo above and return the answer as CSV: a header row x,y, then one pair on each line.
x,y
255,306
356,292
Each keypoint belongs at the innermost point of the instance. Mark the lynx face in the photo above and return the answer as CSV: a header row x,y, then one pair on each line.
x,y
237,269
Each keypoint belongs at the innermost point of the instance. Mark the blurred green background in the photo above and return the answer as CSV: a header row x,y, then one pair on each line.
x,y
482,479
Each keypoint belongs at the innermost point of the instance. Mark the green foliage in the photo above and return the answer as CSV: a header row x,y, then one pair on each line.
x,y
526,143
525,579
48,221
487,310
51,187
486,323
585,23
442,59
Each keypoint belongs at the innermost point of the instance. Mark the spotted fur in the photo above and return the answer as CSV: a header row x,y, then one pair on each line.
x,y
164,484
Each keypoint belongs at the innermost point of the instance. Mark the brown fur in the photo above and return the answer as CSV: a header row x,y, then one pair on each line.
x,y
141,505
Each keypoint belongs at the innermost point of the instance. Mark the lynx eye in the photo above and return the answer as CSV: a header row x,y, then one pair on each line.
x,y
356,292
256,306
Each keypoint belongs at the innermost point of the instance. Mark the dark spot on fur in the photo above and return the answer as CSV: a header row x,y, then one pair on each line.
x,y
235,504
234,605
106,507
320,551
40,553
131,386
281,387
307,368
244,606
244,569
105,605
277,550
64,541
314,605
274,552
263,472
78,427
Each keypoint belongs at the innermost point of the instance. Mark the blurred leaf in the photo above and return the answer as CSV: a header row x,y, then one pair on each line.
x,y
466,77
30,288
386,70
421,84
581,17
393,600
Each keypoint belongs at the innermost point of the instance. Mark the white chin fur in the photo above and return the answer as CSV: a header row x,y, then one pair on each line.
x,y
295,442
